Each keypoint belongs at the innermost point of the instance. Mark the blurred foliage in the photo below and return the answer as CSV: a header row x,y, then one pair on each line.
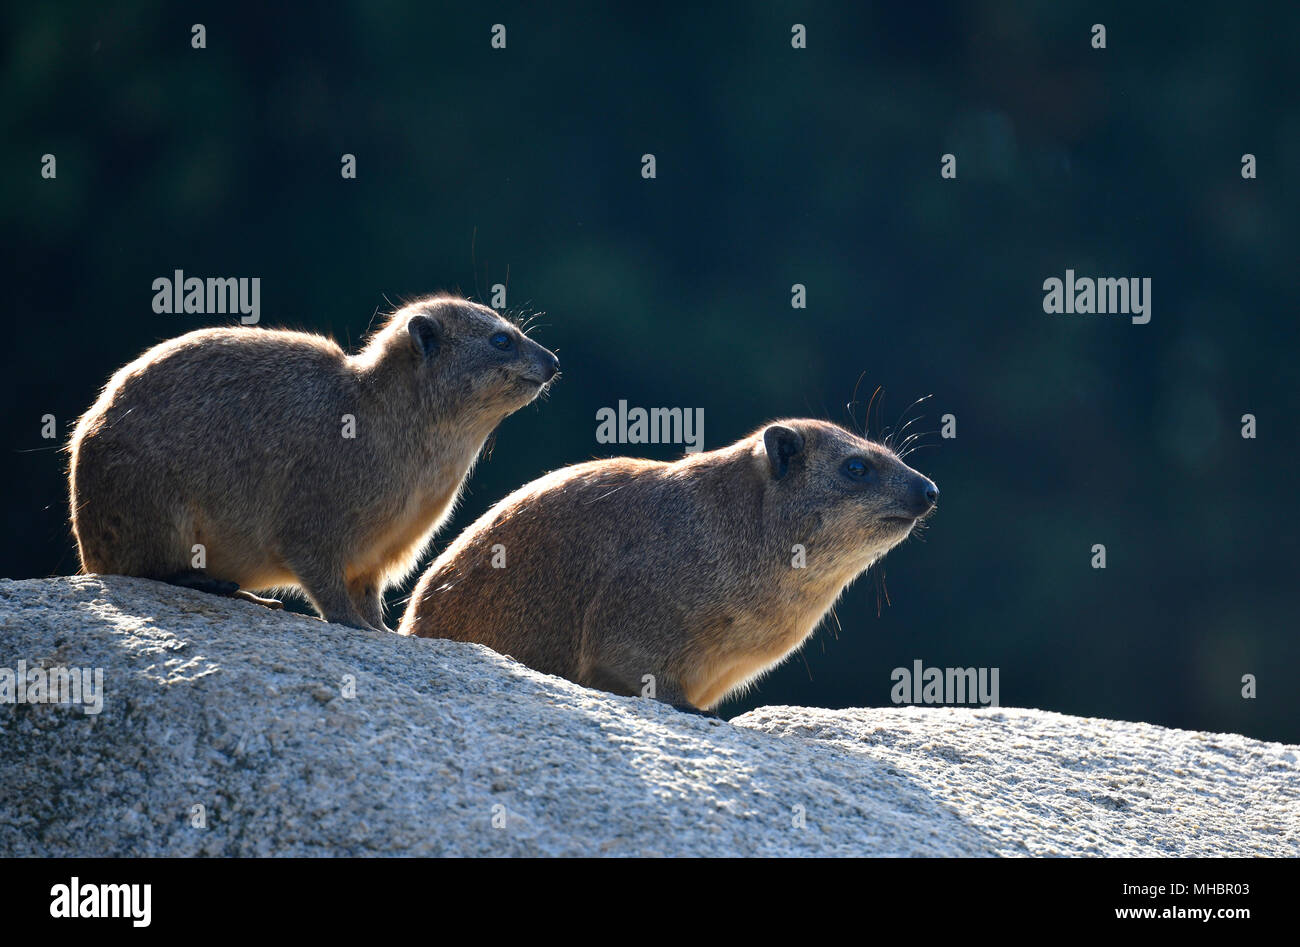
x,y
776,166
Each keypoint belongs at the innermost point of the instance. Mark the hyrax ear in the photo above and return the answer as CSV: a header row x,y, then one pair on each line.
x,y
426,334
783,444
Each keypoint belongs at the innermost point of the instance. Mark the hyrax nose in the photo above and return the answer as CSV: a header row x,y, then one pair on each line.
x,y
922,496
551,366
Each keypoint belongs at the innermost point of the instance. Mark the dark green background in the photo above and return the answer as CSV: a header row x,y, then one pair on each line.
x,y
776,166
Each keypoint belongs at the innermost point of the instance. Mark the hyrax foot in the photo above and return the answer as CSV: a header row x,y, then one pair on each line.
x,y
200,581
352,622
325,587
342,614
689,709
369,603
672,694
340,611
271,603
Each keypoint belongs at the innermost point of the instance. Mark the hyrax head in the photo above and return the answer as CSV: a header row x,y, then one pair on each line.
x,y
468,352
852,500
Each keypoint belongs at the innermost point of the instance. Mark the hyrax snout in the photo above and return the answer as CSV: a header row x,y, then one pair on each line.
x,y
685,581
266,459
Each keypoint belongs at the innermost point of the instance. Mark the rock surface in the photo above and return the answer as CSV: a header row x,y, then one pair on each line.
x,y
451,749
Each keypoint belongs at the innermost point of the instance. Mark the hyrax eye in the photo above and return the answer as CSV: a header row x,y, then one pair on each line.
x,y
502,341
856,468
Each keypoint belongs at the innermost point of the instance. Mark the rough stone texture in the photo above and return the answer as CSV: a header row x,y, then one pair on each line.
x,y
224,704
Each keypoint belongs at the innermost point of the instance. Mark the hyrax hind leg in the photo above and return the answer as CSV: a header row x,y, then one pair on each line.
x,y
145,536
156,541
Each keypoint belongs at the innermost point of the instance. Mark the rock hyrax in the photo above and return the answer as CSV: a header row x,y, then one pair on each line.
x,y
704,573
262,459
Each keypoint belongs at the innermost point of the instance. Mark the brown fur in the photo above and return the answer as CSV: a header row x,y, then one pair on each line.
x,y
233,438
620,568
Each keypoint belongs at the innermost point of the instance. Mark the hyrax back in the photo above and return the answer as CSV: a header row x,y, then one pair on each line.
x,y
272,459
620,572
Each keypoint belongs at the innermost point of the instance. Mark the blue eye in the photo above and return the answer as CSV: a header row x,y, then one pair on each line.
x,y
857,468
502,341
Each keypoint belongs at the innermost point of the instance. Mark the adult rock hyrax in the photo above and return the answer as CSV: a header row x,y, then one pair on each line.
x,y
703,573
242,458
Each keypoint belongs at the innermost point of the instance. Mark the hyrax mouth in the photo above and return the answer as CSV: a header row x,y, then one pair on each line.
x,y
918,502
540,376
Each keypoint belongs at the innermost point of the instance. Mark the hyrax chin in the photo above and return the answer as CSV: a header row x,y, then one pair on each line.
x,y
685,581
248,458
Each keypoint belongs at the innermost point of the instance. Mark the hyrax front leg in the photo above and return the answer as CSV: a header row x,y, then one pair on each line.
x,y
369,601
659,687
325,586
614,655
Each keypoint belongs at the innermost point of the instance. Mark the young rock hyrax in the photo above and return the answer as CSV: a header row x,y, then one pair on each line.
x,y
249,458
695,576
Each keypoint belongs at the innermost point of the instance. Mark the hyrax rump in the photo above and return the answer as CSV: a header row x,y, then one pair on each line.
x,y
287,463
690,571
